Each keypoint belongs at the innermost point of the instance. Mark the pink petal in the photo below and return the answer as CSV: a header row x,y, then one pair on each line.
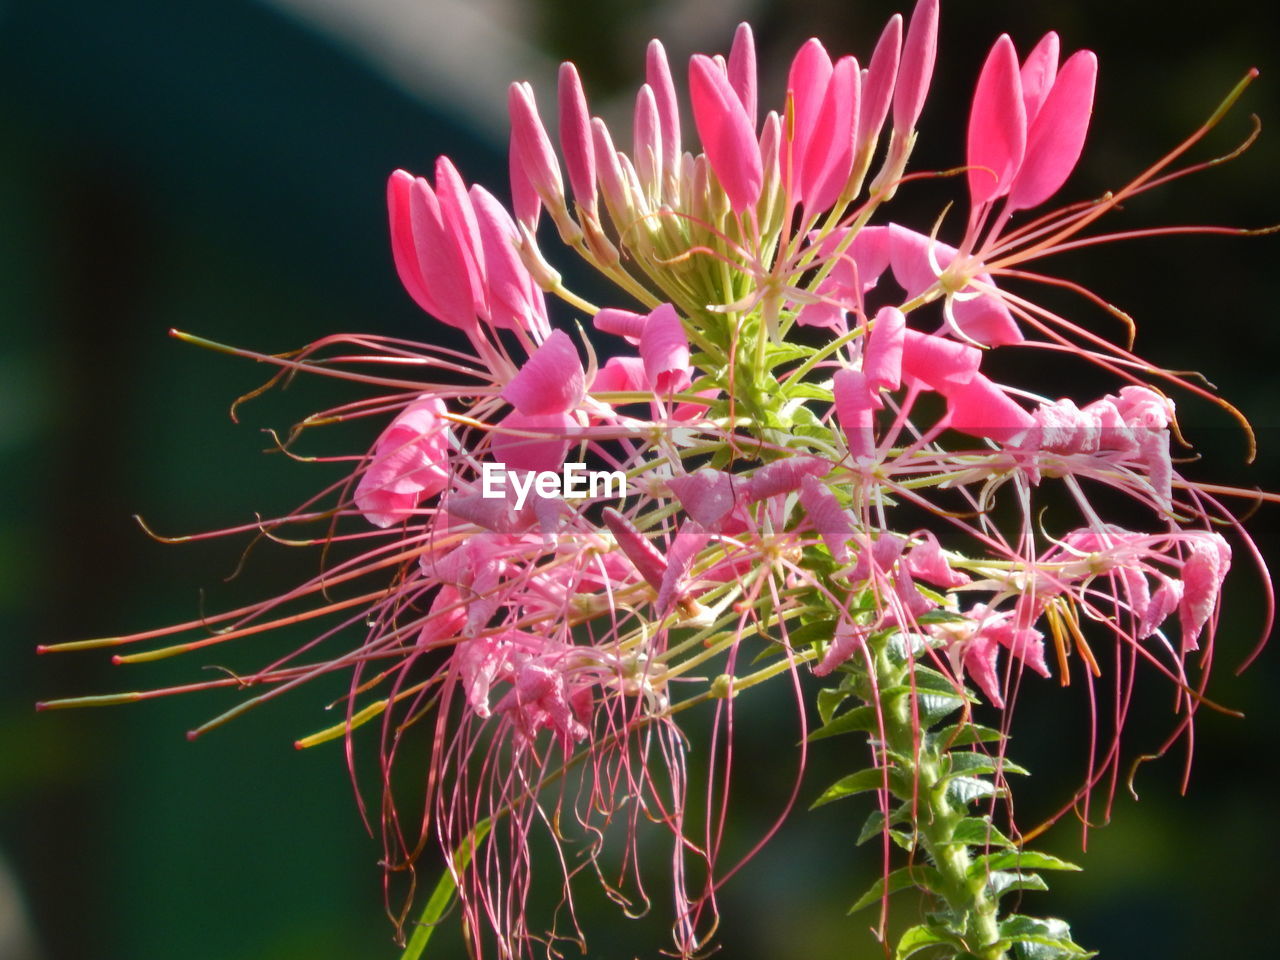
x,y
877,86
937,362
707,495
613,182
658,76
1163,602
876,557
619,374
575,138
511,289
997,125
646,558
457,213
727,136
532,147
855,409
1037,75
664,347
742,70
986,319
849,639
622,323
1206,566
980,656
409,464
1056,138
403,250
551,380
525,202
685,547
882,355
441,263
646,140
981,409
806,88
916,68
551,436
1143,408
782,476
827,516
927,562
828,156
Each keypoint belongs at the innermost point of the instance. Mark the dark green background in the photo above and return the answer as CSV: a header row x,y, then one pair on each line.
x,y
218,167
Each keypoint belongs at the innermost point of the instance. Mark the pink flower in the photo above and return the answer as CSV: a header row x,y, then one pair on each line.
x,y
408,465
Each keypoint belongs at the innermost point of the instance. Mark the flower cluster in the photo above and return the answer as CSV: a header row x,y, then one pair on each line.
x,y
862,502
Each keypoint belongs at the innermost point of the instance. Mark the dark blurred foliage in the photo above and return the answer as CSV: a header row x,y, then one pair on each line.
x,y
218,167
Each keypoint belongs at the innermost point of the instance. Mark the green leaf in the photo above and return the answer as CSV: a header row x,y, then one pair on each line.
x,y
918,875
980,764
828,700
966,734
978,832
874,827
1021,860
1000,882
924,936
1036,939
857,720
442,895
860,782
969,789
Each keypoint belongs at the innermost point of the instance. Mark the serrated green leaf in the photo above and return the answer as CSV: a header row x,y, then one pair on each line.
x,y
1020,860
980,764
918,875
1047,939
860,782
924,936
969,789
1000,882
978,832
857,720
965,734
828,700
873,826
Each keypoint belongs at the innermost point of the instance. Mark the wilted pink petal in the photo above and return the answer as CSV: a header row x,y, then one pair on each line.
x,y
646,558
980,655
575,138
782,476
707,495
1142,407
532,442
551,380
1206,566
1153,452
937,362
742,70
658,76
685,547
855,408
878,82
409,464
997,125
882,355
916,68
981,409
927,562
479,661
1056,137
828,153
1037,75
1163,602
727,136
445,618
664,347
849,638
827,516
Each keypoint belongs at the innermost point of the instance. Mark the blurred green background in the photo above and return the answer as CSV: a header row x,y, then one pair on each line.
x,y
219,167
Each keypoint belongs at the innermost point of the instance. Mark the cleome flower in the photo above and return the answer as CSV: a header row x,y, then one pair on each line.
x,y
865,504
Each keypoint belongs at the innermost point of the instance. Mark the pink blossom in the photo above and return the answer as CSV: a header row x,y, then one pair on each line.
x,y
408,465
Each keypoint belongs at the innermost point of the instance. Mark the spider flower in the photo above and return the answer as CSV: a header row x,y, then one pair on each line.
x,y
549,566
